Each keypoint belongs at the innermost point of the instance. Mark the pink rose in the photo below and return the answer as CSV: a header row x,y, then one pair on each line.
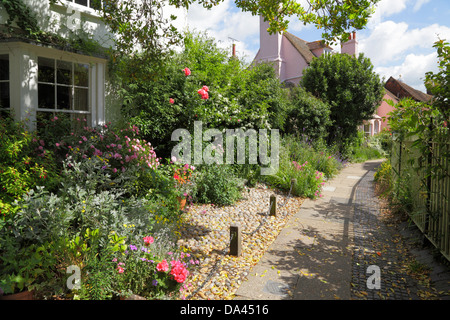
x,y
187,72
205,88
171,101
203,94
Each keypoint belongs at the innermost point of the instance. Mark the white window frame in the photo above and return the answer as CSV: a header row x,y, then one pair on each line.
x,y
71,86
23,66
70,4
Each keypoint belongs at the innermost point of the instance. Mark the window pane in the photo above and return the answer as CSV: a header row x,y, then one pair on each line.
x,y
4,95
46,70
64,74
81,99
82,2
4,67
64,98
81,75
46,96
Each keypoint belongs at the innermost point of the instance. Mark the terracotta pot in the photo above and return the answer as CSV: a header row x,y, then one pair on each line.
x,y
24,295
182,202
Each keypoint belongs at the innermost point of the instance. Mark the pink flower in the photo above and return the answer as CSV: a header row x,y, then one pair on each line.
x,y
203,93
148,240
179,272
120,269
57,144
162,266
205,88
171,101
187,72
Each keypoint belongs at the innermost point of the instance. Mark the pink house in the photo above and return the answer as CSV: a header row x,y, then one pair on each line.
x,y
395,90
290,55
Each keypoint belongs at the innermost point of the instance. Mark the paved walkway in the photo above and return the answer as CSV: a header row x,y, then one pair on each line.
x,y
334,248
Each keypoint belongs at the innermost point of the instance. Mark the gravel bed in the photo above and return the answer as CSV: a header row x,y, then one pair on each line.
x,y
205,233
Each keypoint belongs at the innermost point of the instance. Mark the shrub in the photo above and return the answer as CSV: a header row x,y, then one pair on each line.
x,y
217,184
308,115
24,163
365,148
300,161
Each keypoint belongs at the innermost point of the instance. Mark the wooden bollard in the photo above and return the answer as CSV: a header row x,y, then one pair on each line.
x,y
273,206
235,240
293,182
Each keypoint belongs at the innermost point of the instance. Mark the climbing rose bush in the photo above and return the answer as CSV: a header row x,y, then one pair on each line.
x,y
118,150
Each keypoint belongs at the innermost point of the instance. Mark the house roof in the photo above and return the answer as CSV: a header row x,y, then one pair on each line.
x,y
390,94
301,46
401,90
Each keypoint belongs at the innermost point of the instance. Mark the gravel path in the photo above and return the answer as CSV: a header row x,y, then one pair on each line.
x,y
205,233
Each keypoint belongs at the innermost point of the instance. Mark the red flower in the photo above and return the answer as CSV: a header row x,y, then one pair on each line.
x,y
148,240
171,101
203,93
162,266
187,72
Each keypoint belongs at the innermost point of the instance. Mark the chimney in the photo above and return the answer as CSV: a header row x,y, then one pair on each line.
x,y
234,49
351,45
269,44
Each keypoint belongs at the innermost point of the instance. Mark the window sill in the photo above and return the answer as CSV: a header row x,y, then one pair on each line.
x,y
64,4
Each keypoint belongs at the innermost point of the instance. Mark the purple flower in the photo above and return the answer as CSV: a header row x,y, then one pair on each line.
x,y
155,282
133,247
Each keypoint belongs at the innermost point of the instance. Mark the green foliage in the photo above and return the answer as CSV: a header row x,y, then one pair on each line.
x,y
439,83
352,89
24,162
335,17
19,13
383,177
238,97
217,184
300,161
308,116
366,148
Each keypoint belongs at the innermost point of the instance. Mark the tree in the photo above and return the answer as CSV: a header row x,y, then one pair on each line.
x,y
140,26
439,83
308,116
335,17
349,85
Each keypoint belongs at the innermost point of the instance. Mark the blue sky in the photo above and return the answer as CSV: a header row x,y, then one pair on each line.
x,y
398,38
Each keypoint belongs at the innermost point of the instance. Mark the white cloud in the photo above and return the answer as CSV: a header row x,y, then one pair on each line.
x,y
390,41
386,8
224,24
419,4
412,70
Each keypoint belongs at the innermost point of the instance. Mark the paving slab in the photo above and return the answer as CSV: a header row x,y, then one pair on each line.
x,y
311,257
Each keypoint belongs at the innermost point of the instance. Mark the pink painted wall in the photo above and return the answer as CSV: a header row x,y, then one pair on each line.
x,y
350,46
385,108
269,46
293,63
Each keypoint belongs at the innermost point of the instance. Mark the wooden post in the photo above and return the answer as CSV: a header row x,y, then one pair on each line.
x,y
235,240
293,183
273,206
